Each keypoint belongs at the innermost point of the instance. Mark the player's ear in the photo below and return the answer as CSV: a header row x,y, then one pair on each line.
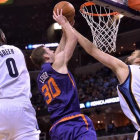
x,y
3,39
138,61
46,56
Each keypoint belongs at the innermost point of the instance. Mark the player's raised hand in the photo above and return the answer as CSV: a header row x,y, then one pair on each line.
x,y
58,17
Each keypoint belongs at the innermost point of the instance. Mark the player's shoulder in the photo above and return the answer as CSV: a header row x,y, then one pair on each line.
x,y
16,49
134,66
8,47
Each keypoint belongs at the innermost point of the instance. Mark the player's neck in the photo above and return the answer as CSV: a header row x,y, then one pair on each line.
x,y
48,61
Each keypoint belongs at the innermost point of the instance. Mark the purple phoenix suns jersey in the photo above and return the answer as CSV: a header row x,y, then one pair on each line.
x,y
59,91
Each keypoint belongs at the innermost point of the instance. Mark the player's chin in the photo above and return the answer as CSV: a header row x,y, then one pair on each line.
x,y
127,62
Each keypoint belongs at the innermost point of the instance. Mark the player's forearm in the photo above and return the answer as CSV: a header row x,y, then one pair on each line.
x,y
71,41
89,47
69,31
61,44
106,59
70,47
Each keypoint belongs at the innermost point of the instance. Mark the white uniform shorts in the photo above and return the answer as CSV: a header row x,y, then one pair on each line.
x,y
137,135
18,120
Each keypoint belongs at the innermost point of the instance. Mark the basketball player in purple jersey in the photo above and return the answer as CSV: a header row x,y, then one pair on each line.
x,y
128,76
17,116
58,86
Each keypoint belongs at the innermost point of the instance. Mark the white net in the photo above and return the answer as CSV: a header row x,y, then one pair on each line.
x,y
104,26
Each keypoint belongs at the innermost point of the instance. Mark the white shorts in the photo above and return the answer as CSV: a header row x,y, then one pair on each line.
x,y
17,120
137,135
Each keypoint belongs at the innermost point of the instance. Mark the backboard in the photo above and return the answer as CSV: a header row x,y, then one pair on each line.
x,y
120,6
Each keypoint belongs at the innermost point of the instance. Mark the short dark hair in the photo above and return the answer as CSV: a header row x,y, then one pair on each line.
x,y
37,56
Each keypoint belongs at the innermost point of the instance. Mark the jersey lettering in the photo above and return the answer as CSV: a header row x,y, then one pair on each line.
x,y
50,93
47,94
12,68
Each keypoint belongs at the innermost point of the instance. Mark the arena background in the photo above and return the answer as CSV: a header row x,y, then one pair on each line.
x,y
27,23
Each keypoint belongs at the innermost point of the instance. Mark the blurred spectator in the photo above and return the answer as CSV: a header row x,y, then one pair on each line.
x,y
111,128
100,85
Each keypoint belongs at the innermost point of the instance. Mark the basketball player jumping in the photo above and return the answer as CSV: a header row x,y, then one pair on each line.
x,y
58,86
128,76
17,116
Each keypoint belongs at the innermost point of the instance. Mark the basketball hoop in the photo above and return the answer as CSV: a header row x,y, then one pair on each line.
x,y
104,25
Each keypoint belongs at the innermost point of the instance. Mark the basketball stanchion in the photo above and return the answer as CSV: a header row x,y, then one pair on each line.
x,y
104,25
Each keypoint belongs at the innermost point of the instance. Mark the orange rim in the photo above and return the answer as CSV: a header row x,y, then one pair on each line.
x,y
92,14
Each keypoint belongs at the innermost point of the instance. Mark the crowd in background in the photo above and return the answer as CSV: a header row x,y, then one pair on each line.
x,y
99,85
113,130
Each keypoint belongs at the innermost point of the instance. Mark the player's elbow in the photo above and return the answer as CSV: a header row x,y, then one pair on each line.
x,y
73,38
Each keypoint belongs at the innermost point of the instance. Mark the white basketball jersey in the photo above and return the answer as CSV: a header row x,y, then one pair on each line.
x,y
129,94
14,77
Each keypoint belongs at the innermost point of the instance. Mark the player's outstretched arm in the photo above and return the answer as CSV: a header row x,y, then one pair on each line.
x,y
71,37
61,44
118,67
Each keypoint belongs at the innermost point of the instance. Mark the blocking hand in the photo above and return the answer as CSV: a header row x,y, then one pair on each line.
x,y
58,17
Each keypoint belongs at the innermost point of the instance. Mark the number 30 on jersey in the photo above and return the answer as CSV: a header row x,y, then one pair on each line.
x,y
48,92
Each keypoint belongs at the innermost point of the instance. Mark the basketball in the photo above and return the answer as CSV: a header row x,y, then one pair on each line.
x,y
68,9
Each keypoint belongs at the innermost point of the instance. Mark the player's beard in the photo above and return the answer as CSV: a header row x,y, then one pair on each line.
x,y
129,62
